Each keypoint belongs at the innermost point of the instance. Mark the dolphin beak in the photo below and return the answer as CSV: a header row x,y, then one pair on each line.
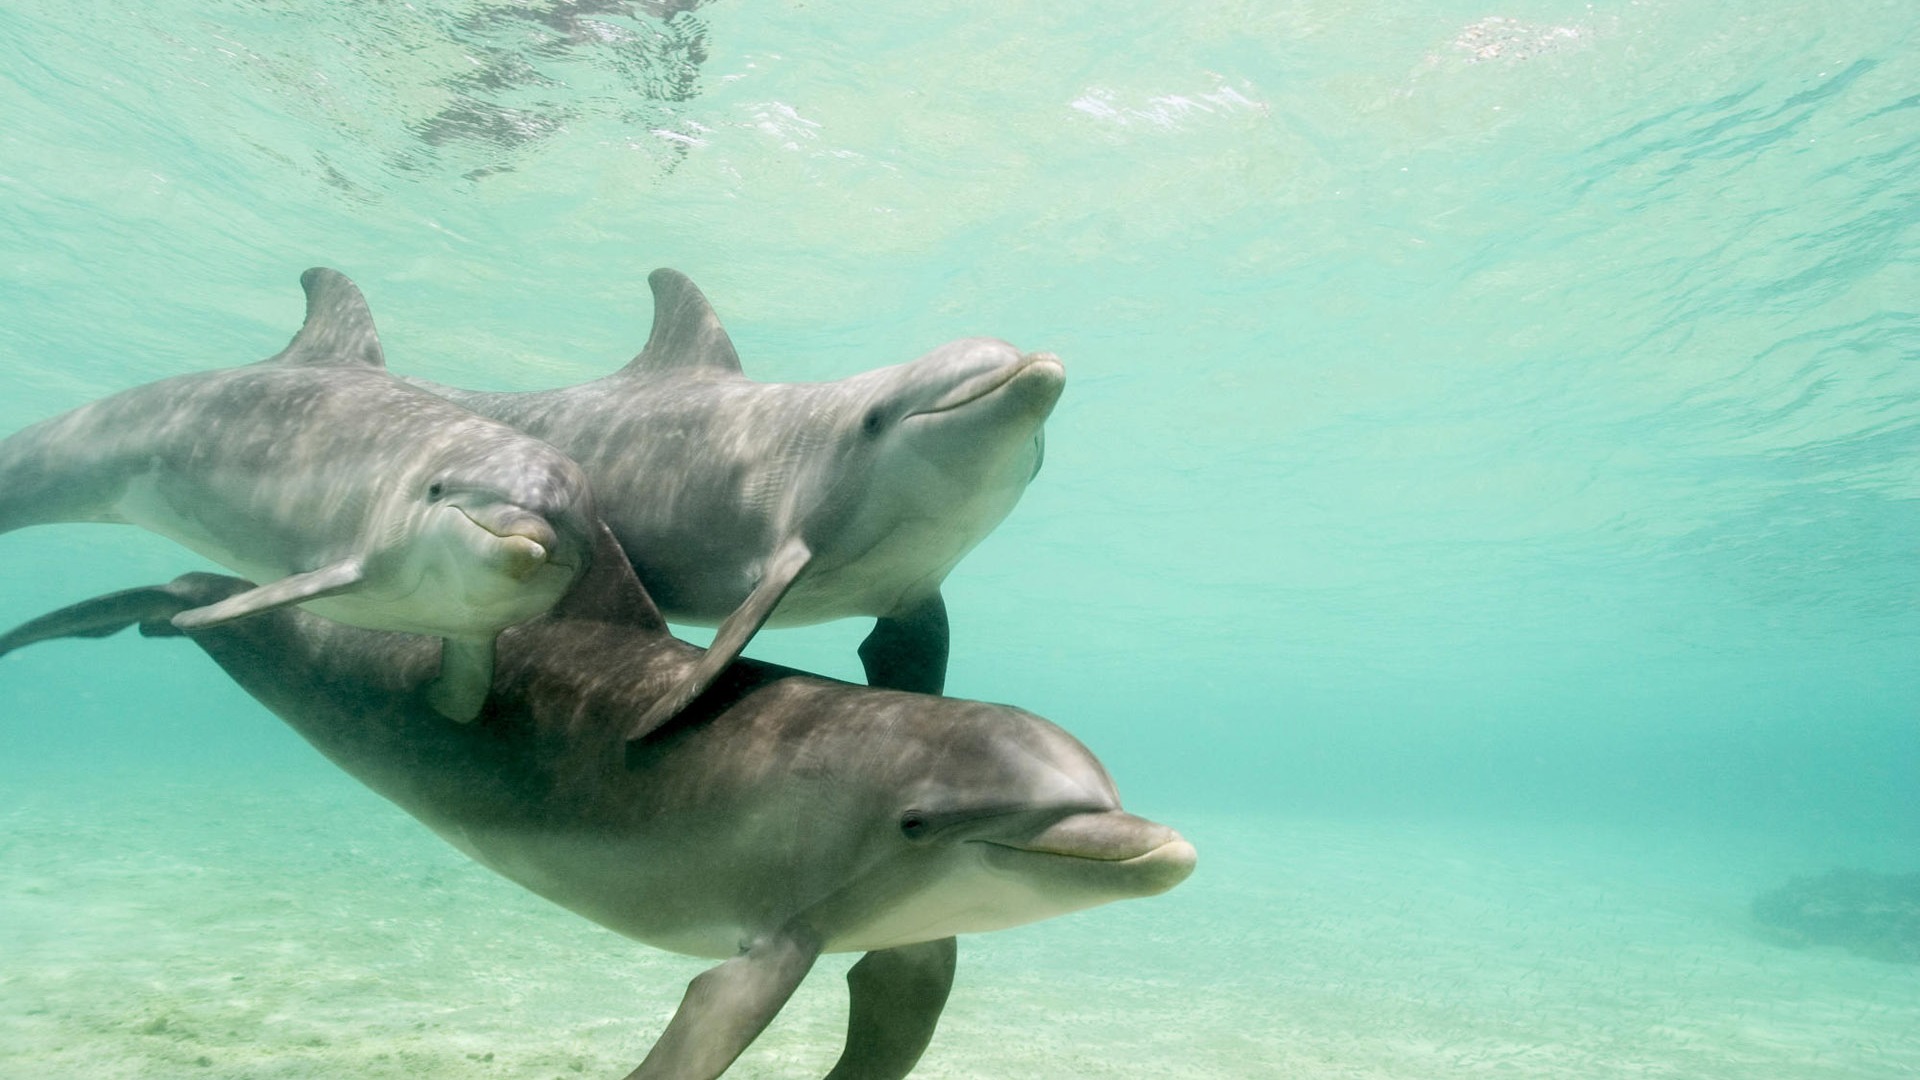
x,y
1153,857
1046,361
527,540
522,557
1106,835
1044,372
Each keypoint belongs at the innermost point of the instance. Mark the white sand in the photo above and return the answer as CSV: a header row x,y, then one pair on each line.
x,y
153,931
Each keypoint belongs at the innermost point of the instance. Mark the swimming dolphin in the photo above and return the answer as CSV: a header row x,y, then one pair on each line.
x,y
744,503
345,490
780,817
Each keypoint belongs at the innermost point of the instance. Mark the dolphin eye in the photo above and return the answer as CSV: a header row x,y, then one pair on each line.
x,y
436,489
913,825
871,425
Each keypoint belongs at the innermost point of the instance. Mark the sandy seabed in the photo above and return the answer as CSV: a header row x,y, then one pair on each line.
x,y
153,929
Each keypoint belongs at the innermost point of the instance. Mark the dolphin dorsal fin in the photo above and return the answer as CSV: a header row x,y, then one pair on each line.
x,y
687,335
339,328
609,592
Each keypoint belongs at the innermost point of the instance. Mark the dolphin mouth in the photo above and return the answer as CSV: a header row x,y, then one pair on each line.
x,y
1113,836
1175,848
981,386
1124,861
528,541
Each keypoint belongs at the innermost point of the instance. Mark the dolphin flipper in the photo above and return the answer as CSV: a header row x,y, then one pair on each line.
x,y
99,617
733,635
897,998
466,677
152,608
908,650
725,1008
293,589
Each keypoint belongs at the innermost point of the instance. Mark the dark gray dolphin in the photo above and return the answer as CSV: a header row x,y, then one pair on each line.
x,y
744,503
345,490
779,817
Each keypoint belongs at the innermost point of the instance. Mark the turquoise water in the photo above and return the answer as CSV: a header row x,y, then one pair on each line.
x,y
1484,512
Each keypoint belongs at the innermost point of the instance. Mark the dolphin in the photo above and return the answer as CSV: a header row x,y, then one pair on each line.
x,y
345,490
745,503
780,817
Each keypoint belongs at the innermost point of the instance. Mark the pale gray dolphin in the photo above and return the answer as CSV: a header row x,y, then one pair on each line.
x,y
744,503
345,490
780,817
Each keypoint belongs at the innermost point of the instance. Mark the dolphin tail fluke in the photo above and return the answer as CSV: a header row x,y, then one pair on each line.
x,y
465,680
151,608
732,636
295,589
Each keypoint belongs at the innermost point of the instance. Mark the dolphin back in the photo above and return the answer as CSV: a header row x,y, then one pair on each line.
x,y
76,466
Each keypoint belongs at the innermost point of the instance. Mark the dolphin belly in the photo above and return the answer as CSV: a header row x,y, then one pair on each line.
x,y
636,889
903,569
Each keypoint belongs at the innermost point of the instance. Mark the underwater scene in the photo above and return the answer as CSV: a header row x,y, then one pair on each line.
x,y
1450,472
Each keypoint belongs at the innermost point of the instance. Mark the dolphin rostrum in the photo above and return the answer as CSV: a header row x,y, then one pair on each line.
x,y
345,490
780,817
744,503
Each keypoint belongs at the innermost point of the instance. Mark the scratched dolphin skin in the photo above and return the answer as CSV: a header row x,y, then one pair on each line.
x,y
780,817
744,503
343,489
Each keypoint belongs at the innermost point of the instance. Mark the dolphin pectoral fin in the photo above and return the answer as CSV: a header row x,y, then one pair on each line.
x,y
733,635
99,617
908,650
151,608
293,589
726,1007
897,996
465,679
